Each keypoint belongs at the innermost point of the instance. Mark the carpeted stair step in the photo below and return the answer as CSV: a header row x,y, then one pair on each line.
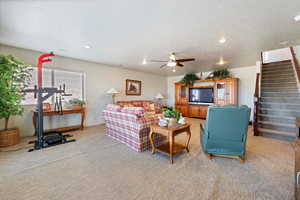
x,y
275,84
276,118
276,133
278,76
279,63
277,70
279,89
286,106
281,112
280,99
278,80
280,94
277,126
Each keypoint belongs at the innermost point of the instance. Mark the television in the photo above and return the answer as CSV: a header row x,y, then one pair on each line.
x,y
201,95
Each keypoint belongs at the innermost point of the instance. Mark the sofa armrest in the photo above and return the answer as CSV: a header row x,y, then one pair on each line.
x,y
145,122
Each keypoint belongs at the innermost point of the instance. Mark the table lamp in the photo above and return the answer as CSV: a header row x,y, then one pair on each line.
x,y
113,92
159,98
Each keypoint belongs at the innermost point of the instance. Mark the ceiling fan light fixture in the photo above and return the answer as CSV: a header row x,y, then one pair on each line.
x,y
172,56
171,64
174,69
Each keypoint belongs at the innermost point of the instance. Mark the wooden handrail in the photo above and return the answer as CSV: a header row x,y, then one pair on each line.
x,y
256,104
295,65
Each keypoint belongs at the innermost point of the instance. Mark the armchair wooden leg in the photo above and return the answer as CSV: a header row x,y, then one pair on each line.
x,y
242,159
209,155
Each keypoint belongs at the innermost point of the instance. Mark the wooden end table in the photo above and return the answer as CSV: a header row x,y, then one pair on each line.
x,y
170,148
50,113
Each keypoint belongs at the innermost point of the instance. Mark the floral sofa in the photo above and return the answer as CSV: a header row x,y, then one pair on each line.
x,y
129,122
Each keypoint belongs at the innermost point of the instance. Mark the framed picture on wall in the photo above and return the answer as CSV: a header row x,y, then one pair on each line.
x,y
133,87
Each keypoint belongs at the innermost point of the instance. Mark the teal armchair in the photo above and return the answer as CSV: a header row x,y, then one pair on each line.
x,y
225,131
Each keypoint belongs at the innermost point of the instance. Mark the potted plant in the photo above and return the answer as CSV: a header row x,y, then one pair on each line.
x,y
14,77
221,73
188,79
76,103
172,115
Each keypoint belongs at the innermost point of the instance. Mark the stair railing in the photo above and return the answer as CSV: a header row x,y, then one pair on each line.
x,y
296,66
256,104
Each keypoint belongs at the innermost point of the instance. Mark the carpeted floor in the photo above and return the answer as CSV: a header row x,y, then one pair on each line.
x,y
98,168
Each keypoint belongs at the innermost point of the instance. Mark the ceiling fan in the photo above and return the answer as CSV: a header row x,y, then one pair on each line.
x,y
173,62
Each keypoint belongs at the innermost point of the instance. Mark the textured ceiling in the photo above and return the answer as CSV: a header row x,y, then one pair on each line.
x,y
122,33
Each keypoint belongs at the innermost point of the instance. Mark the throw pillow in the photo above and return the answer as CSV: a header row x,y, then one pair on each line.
x,y
113,107
139,111
152,106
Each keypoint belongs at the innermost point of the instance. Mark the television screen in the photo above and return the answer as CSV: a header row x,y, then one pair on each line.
x,y
201,95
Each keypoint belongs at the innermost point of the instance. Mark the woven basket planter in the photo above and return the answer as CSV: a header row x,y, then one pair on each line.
x,y
9,137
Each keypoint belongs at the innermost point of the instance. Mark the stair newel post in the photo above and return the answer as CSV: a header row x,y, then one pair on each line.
x,y
296,66
256,105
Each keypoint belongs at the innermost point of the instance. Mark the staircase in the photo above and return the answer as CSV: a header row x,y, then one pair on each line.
x,y
279,101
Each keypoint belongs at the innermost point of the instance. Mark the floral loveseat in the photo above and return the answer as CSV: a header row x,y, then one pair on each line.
x,y
129,122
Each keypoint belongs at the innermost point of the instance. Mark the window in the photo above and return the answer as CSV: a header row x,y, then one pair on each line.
x,y
74,82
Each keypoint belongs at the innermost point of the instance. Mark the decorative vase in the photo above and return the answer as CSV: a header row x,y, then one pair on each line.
x,y
172,122
9,137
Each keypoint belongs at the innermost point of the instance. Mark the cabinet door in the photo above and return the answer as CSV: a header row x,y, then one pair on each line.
x,y
220,93
183,109
203,111
181,94
194,111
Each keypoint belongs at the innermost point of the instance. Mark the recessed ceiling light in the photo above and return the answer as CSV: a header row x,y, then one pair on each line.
x,y
297,18
87,46
222,40
144,61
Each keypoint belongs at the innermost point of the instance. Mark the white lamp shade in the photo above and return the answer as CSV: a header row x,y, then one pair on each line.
x,y
112,91
159,96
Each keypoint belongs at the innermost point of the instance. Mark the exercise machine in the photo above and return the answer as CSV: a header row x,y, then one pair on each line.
x,y
49,139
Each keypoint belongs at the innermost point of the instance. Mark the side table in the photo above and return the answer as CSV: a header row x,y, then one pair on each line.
x,y
170,148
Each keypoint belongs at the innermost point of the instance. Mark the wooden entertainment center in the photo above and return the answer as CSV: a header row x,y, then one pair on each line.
x,y
225,91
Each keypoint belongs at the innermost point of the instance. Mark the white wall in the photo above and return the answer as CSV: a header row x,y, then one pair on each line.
x,y
247,78
277,55
99,78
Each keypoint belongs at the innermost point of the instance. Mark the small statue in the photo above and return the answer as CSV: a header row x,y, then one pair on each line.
x,y
181,119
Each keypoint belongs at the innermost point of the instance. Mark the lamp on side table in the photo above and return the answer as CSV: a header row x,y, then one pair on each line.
x,y
113,92
159,98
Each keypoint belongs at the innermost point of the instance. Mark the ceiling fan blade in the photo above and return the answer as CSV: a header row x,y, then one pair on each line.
x,y
185,60
163,66
179,64
158,61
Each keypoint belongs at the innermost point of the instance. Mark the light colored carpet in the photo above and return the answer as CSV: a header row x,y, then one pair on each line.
x,y
98,168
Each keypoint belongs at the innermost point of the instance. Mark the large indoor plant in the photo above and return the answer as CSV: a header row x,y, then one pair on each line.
x,y
14,77
188,79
